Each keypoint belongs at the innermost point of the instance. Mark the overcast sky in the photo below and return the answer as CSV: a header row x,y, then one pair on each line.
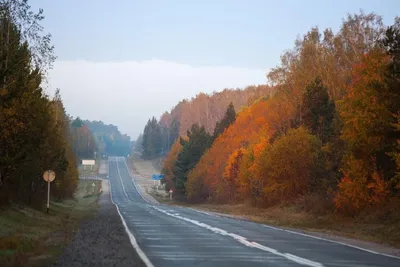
x,y
124,61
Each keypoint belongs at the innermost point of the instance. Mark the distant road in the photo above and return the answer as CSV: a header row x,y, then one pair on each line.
x,y
174,236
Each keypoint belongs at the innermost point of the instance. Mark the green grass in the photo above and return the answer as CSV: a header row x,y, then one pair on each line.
x,y
30,237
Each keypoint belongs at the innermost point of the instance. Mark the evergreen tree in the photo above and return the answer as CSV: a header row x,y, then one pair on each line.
x,y
152,139
192,150
34,130
228,119
318,110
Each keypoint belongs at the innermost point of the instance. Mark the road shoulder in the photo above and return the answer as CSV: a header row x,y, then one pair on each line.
x,y
101,240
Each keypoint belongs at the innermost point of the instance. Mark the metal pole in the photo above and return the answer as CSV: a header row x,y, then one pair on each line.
x,y
48,194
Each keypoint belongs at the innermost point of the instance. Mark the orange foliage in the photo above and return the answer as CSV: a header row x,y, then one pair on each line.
x,y
260,120
283,170
206,109
359,189
362,114
169,163
232,168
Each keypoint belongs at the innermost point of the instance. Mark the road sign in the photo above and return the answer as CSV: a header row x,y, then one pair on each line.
x,y
157,176
89,162
49,177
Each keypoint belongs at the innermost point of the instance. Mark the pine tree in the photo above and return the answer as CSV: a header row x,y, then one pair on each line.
x,y
318,110
152,139
33,129
192,150
228,119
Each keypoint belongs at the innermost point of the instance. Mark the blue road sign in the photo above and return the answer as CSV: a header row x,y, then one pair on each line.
x,y
157,176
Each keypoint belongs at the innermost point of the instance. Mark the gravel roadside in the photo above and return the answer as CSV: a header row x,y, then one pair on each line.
x,y
101,240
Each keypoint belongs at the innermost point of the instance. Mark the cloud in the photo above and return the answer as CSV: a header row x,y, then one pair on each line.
x,y
128,93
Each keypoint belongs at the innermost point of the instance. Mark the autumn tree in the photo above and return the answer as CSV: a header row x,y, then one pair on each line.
x,y
260,120
83,141
391,96
169,165
285,169
367,130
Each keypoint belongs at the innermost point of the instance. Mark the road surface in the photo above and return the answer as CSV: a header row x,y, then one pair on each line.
x,y
173,236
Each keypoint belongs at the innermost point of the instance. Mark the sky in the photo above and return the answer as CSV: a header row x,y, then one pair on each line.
x,y
124,61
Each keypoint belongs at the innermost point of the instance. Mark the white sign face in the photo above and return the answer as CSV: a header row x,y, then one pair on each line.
x,y
49,176
88,162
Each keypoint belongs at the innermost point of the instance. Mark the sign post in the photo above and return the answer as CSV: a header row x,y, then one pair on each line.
x,y
170,194
49,177
157,177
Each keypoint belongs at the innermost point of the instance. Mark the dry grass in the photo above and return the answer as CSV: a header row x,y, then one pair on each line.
x,y
30,237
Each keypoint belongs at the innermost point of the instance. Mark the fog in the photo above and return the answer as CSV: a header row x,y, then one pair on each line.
x,y
127,93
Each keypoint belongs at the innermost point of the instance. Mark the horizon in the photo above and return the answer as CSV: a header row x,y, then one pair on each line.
x,y
112,69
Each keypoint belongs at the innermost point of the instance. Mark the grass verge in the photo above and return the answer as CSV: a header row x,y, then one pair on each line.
x,y
30,237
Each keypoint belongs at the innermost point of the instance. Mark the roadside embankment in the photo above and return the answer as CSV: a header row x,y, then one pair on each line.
x,y
29,237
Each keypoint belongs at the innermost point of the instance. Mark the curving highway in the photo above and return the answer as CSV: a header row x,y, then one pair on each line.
x,y
175,236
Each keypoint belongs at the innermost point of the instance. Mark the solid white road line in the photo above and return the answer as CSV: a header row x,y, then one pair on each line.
x,y
332,241
307,235
132,239
244,241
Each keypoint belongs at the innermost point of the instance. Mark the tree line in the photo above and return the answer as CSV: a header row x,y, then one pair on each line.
x,y
157,138
109,140
203,109
327,128
34,129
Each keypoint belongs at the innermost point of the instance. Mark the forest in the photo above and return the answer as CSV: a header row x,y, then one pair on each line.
x,y
325,127
109,140
35,133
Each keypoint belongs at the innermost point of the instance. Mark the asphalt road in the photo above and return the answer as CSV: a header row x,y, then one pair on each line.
x,y
174,236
